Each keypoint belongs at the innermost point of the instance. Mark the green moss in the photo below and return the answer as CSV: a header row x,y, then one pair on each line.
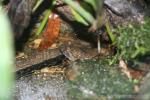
x,y
97,79
133,40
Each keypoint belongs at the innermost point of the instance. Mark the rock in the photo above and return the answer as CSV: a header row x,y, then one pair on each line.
x,y
94,80
144,93
20,13
128,9
40,86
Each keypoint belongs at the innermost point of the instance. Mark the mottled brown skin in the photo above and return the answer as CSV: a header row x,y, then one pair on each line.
x,y
20,13
76,50
36,57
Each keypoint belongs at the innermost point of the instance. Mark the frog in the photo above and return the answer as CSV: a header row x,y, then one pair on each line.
x,y
78,52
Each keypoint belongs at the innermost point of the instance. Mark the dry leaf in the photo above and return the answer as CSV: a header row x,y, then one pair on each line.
x,y
36,43
53,70
124,68
21,55
130,73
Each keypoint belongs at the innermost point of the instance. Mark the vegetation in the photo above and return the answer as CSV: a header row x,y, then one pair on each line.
x,y
97,79
7,57
133,40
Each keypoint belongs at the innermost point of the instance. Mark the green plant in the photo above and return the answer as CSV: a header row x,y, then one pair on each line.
x,y
87,12
6,57
133,40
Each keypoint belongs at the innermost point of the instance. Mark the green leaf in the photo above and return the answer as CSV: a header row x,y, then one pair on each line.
x,y
43,23
93,3
79,18
80,10
6,58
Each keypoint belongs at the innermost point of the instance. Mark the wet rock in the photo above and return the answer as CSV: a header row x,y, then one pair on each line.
x,y
94,80
41,86
144,93
87,80
132,10
20,14
126,7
